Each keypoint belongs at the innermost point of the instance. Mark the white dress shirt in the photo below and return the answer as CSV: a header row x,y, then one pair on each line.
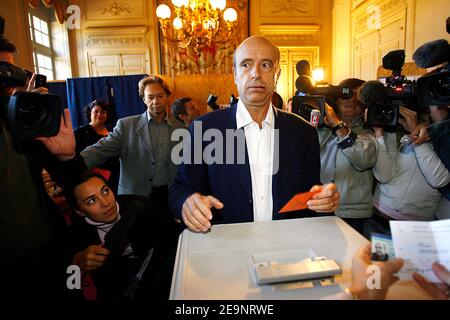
x,y
260,146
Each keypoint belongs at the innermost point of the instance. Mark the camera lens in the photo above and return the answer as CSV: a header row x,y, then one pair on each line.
x,y
384,114
440,87
32,114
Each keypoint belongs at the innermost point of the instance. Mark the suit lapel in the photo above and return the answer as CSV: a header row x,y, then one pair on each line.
x,y
282,150
143,131
241,171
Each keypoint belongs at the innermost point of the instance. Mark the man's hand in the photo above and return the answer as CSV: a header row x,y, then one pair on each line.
x,y
63,144
331,119
439,291
196,211
327,200
420,134
91,258
361,261
409,121
379,131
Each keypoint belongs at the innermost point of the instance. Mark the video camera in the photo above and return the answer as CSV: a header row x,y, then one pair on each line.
x,y
30,115
309,100
383,101
212,101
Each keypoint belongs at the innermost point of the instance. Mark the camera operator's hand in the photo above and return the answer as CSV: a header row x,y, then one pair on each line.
x,y
63,144
30,88
379,131
331,119
409,121
420,134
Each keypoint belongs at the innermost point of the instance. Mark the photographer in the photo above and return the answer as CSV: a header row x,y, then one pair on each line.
x,y
408,176
433,56
347,153
31,228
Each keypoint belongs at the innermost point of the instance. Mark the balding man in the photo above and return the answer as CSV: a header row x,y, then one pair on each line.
x,y
276,154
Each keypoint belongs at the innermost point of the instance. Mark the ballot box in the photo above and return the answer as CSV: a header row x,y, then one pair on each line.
x,y
221,263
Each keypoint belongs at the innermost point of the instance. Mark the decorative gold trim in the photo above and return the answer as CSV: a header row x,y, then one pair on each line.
x,y
279,29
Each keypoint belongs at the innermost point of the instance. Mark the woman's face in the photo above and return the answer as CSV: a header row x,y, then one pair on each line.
x,y
349,108
98,116
96,201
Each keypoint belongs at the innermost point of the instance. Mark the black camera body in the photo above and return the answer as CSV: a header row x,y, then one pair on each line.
x,y
309,96
383,101
33,115
212,101
434,87
30,115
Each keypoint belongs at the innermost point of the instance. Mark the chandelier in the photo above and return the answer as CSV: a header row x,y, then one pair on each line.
x,y
197,23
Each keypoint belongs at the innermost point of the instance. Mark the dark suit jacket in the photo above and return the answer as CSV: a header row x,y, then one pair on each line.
x,y
299,169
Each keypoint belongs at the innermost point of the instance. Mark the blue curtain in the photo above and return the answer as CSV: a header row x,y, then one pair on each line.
x,y
81,91
122,91
59,88
126,98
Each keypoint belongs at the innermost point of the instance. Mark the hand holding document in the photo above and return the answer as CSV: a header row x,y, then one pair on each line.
x,y
420,244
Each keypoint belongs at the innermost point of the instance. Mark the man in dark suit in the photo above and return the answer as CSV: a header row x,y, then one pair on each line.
x,y
275,157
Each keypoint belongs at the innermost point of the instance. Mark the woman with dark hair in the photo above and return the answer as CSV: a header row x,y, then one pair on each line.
x,y
99,115
97,112
111,238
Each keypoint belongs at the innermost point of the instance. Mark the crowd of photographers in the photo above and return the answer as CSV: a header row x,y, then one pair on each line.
x,y
383,172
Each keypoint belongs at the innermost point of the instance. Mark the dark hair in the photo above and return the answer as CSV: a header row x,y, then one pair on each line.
x,y
69,190
179,107
153,80
352,83
277,100
6,45
104,105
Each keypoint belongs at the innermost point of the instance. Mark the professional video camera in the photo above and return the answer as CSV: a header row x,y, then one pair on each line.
x,y
431,89
434,87
383,101
309,100
212,101
30,115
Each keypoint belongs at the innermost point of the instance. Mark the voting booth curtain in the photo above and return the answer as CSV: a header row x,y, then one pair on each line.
x,y
120,91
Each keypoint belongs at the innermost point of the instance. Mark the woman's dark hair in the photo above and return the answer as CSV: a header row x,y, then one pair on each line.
x,y
104,105
69,190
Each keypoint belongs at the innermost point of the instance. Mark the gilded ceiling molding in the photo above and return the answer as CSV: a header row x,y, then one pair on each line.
x,y
116,9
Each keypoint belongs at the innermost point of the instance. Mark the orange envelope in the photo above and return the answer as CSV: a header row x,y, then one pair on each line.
x,y
298,202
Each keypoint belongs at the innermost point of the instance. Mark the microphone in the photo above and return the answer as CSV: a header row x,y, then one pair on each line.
x,y
432,53
371,92
303,68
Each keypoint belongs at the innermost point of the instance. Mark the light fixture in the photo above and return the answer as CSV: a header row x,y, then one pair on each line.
x,y
318,74
197,23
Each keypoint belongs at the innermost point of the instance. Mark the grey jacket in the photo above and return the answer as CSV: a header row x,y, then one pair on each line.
x,y
408,181
131,141
353,175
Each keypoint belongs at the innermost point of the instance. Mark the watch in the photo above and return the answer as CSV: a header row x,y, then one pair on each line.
x,y
348,140
337,127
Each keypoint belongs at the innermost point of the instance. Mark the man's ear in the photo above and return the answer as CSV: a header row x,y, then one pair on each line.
x,y
234,74
277,76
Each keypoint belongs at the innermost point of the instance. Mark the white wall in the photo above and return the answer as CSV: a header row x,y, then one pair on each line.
x,y
430,17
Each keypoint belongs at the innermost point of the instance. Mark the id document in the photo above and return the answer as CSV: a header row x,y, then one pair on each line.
x,y
420,244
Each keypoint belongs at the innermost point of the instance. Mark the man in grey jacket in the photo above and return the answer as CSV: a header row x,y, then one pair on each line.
x,y
143,145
